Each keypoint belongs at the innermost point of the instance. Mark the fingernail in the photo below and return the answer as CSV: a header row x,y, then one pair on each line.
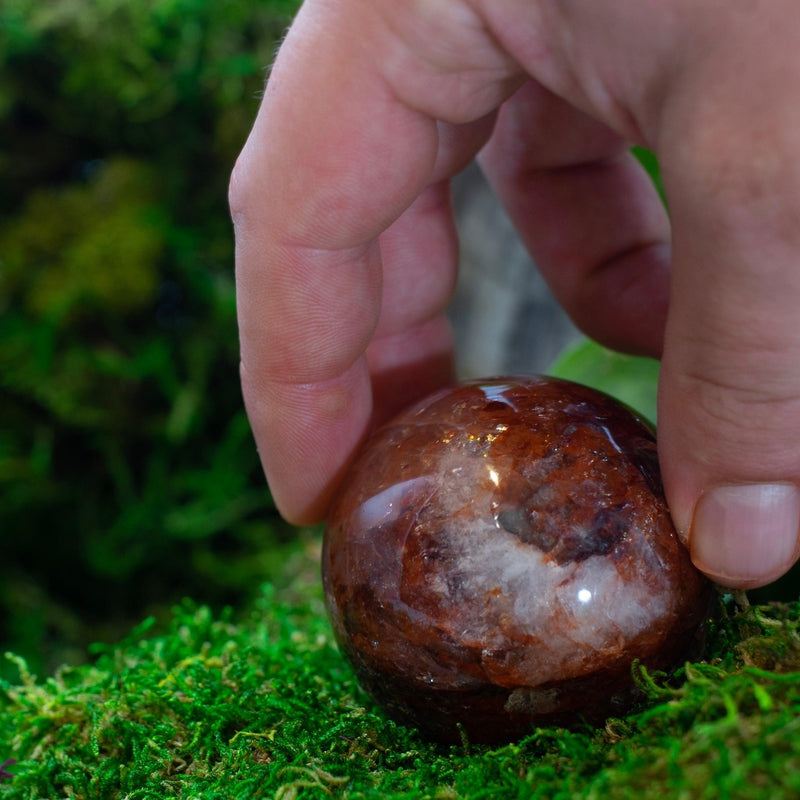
x,y
746,536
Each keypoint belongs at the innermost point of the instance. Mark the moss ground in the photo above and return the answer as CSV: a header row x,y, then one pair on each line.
x,y
261,705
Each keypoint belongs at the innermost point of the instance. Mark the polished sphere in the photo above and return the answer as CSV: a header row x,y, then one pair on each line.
x,y
499,555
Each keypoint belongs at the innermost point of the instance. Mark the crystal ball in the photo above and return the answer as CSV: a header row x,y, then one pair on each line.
x,y
499,555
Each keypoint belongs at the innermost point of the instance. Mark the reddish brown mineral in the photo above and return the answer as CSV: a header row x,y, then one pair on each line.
x,y
499,555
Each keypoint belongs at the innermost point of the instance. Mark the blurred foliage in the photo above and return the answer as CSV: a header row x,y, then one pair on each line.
x,y
649,161
128,477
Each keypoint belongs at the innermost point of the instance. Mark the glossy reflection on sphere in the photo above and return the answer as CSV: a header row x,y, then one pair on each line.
x,y
500,553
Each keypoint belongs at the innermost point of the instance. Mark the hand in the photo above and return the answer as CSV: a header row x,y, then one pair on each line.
x,y
346,248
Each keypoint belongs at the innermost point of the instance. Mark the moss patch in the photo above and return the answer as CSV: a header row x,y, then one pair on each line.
x,y
262,705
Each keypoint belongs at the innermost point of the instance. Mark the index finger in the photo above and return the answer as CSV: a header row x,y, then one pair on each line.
x,y
335,156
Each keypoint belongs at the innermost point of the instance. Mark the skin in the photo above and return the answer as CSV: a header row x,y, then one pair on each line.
x,y
346,248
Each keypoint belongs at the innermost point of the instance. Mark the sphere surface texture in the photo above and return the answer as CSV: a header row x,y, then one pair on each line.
x,y
499,555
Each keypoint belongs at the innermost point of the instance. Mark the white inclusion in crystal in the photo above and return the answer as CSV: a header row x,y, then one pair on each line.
x,y
584,596
625,605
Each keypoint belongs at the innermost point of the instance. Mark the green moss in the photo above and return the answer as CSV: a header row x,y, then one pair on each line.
x,y
264,706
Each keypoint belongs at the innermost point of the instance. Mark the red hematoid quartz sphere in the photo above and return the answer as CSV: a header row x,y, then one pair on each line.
x,y
499,555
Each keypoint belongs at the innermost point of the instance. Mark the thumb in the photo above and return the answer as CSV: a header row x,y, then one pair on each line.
x,y
729,394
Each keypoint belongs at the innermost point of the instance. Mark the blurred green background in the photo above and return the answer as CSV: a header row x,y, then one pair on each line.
x,y
128,477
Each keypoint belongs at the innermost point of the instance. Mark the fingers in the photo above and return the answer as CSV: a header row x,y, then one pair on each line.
x,y
339,324
729,409
588,214
346,252
411,352
312,189
729,406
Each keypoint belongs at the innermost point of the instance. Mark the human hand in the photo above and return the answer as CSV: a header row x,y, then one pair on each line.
x,y
346,247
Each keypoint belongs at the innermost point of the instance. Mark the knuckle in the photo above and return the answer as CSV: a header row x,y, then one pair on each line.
x,y
737,417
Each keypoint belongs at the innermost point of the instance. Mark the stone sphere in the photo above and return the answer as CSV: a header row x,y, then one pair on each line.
x,y
499,555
